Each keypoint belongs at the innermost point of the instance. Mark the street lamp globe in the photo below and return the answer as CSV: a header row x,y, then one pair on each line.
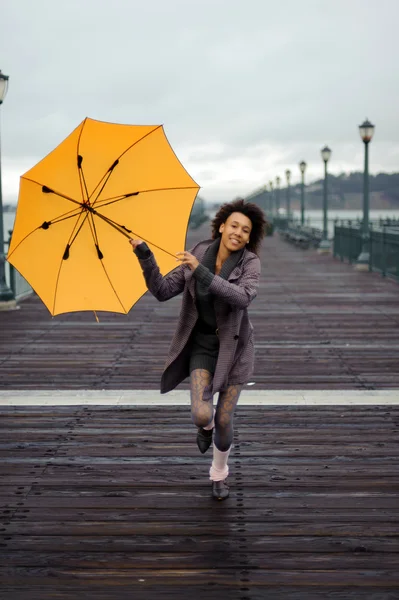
x,y
288,175
278,179
302,166
3,86
326,153
366,131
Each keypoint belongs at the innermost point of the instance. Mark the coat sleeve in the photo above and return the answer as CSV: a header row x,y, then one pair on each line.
x,y
240,294
163,288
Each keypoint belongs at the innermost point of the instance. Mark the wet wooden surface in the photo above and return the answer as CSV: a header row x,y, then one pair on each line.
x,y
318,325
113,502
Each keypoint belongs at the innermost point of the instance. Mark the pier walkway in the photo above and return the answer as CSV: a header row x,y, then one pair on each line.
x,y
318,325
105,496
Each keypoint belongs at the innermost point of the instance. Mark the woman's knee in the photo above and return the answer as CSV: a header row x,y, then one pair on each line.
x,y
202,416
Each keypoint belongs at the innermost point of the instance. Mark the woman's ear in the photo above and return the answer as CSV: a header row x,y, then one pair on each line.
x,y
221,228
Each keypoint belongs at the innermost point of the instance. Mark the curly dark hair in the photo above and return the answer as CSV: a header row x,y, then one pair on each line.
x,y
250,210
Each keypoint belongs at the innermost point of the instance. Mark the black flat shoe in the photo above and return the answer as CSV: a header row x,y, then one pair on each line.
x,y
204,439
220,490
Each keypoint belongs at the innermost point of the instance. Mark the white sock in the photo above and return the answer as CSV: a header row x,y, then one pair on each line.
x,y
219,469
212,423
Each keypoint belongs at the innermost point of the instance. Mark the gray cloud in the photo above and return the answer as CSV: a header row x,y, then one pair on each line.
x,y
244,89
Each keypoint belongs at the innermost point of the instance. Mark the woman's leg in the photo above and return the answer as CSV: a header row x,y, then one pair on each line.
x,y
226,405
201,402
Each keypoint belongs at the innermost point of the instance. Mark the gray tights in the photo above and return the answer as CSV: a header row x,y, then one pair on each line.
x,y
202,407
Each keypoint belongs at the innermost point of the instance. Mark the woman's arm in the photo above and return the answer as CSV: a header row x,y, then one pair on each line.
x,y
240,295
163,288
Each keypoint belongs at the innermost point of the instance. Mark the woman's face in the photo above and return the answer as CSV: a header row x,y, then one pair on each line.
x,y
235,231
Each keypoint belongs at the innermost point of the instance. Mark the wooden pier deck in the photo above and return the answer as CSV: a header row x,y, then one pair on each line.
x,y
112,501
107,502
318,324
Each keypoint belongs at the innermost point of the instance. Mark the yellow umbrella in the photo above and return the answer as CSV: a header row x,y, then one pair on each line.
x,y
104,183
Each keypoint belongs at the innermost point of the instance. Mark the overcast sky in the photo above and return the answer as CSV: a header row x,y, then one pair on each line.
x,y
244,88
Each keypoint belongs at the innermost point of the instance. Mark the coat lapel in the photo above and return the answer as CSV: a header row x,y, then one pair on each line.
x,y
231,271
190,280
237,270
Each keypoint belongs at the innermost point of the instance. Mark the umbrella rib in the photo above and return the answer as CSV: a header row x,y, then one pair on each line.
x,y
114,290
110,170
45,225
108,201
82,179
100,256
93,230
140,140
56,284
48,190
109,173
72,239
79,162
126,232
66,255
80,227
64,217
22,241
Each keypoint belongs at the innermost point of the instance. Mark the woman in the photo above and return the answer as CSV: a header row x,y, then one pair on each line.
x,y
213,342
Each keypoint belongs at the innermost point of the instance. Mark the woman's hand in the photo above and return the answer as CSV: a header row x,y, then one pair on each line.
x,y
188,259
135,243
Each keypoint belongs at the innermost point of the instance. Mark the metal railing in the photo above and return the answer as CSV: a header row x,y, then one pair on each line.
x,y
19,286
384,251
347,241
383,245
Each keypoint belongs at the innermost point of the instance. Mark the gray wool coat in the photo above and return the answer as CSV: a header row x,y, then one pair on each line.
x,y
232,297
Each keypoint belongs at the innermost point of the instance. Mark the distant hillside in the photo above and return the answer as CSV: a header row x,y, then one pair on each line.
x,y
345,191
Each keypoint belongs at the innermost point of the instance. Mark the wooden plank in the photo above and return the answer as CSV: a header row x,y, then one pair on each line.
x,y
191,560
160,592
371,548
229,578
191,528
262,497
202,515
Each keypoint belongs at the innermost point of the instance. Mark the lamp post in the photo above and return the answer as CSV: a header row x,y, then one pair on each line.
x,y
278,180
271,196
264,198
288,176
366,131
325,245
7,299
302,167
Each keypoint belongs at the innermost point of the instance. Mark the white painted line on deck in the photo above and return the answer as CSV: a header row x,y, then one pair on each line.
x,y
182,397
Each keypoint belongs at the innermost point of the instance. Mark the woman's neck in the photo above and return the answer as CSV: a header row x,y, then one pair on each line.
x,y
222,255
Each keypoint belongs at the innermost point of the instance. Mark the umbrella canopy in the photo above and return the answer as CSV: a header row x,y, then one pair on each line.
x,y
104,183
